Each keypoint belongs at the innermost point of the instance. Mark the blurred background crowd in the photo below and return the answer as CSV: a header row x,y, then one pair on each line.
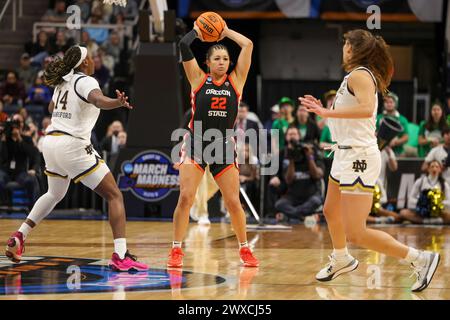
x,y
297,190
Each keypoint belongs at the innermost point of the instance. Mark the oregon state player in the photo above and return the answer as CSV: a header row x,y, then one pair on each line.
x,y
217,103
68,152
215,99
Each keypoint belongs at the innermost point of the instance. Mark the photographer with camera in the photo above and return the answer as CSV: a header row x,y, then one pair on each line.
x,y
440,153
19,158
303,171
111,143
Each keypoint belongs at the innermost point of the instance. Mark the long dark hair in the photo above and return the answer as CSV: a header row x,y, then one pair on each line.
x,y
440,176
442,124
297,123
53,75
372,52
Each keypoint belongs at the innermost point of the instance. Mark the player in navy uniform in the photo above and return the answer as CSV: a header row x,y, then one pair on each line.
x,y
215,99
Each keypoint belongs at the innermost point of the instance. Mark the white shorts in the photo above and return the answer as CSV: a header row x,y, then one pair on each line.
x,y
357,169
69,157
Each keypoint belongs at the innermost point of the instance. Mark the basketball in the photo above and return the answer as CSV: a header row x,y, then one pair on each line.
x,y
211,26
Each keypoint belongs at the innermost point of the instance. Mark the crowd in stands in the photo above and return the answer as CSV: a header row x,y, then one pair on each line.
x,y
296,191
299,188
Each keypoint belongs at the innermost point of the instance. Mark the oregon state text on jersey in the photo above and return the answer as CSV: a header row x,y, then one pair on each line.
x,y
215,105
72,113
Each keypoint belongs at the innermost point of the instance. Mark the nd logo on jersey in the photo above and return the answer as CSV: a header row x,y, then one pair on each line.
x,y
150,176
360,166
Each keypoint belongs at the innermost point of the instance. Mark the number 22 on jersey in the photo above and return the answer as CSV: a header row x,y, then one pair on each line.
x,y
218,103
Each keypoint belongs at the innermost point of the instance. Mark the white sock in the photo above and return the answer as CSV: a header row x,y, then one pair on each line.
x,y
243,244
25,229
341,254
413,255
177,244
120,247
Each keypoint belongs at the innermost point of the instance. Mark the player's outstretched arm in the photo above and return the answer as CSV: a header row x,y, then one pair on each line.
x,y
97,98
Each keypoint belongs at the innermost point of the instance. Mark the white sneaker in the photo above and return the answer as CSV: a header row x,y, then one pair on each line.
x,y
204,220
424,272
193,213
335,268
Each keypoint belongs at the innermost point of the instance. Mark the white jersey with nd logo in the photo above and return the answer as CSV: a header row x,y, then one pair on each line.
x,y
357,161
67,148
353,132
73,114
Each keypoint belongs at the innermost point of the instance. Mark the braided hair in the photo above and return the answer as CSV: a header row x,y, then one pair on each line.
x,y
213,48
53,74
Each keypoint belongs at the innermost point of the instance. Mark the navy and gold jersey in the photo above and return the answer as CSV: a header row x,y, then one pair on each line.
x,y
215,105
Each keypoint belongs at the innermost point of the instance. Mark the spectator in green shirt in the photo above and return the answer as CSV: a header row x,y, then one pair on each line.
x,y
430,131
309,131
326,141
325,136
286,111
328,99
390,110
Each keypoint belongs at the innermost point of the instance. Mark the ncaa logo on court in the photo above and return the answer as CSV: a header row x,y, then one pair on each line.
x,y
65,275
150,176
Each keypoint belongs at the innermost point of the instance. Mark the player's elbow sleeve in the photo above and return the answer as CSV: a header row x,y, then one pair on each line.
x,y
186,52
185,45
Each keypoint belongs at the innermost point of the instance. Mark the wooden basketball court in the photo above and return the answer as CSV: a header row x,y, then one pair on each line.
x,y
289,261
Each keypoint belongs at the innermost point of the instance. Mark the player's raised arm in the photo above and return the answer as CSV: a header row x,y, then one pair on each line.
x,y
193,71
244,62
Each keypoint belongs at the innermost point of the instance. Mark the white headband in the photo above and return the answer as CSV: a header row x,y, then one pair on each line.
x,y
69,76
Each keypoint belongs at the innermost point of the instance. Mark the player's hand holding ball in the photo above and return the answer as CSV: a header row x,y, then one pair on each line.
x,y
224,33
199,33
